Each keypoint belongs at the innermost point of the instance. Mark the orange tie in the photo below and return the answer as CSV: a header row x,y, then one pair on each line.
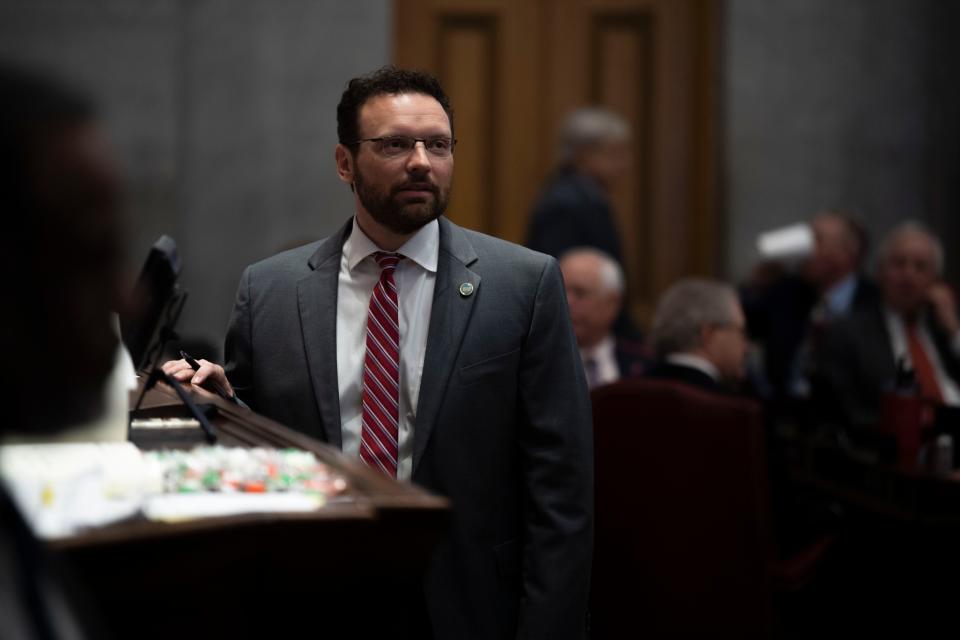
x,y
922,367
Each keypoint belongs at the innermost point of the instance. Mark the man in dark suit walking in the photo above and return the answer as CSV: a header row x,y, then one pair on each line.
x,y
574,209
437,355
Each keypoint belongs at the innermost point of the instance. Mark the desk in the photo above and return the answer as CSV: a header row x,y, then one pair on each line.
x,y
880,489
893,568
262,575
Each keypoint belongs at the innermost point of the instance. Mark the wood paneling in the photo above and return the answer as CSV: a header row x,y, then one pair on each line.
x,y
515,69
621,54
486,53
467,64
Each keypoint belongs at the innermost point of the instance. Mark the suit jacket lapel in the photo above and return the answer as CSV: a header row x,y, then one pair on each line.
x,y
941,342
449,318
317,301
883,361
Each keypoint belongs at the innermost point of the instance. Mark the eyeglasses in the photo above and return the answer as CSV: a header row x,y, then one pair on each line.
x,y
395,146
736,328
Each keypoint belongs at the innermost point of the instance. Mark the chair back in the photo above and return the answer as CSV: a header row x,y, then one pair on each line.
x,y
683,536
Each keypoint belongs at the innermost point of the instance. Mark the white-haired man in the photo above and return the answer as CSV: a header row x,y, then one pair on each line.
x,y
698,335
594,284
915,328
574,208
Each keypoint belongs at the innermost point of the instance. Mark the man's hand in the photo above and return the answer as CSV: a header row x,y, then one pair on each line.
x,y
944,305
209,373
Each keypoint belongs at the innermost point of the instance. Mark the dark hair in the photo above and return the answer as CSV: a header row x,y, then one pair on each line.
x,y
64,250
387,80
33,102
856,231
35,106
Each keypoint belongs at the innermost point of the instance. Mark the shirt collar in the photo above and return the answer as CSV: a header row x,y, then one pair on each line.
x,y
695,362
603,349
423,247
839,297
896,318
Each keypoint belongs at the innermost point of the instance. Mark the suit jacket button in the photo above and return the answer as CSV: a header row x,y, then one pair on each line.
x,y
466,289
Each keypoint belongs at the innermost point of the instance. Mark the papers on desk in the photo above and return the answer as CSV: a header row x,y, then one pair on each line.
x,y
176,507
62,489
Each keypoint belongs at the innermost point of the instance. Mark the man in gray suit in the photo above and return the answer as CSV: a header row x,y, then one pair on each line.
x,y
438,355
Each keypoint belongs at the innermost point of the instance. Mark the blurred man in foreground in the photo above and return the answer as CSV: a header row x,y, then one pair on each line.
x,y
594,284
59,191
914,327
698,336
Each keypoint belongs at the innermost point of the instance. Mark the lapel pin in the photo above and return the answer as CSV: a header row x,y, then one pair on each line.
x,y
466,289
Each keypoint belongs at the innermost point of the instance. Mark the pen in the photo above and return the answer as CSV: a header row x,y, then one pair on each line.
x,y
216,388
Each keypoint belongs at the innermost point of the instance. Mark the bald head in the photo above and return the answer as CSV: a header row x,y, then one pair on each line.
x,y
594,284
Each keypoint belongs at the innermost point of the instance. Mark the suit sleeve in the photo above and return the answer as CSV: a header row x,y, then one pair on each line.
x,y
556,443
238,346
835,390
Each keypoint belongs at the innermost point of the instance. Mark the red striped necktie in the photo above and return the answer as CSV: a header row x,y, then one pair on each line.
x,y
926,375
381,372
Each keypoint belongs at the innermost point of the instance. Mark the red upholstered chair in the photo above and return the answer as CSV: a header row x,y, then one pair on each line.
x,y
683,541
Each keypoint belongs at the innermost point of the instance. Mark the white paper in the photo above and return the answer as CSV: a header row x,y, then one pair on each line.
x,y
177,507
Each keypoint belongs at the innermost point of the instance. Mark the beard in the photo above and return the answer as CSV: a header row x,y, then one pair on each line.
x,y
401,217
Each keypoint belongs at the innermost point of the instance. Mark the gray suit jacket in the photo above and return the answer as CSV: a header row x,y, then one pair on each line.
x,y
503,425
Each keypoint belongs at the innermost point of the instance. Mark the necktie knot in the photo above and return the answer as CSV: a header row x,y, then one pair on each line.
x,y
387,260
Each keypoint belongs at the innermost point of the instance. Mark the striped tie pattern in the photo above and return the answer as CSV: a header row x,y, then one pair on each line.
x,y
924,373
381,372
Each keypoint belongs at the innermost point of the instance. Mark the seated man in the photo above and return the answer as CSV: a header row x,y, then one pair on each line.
x,y
698,336
914,327
783,314
594,284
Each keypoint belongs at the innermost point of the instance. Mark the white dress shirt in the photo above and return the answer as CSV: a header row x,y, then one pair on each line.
x,y
901,351
415,277
600,363
695,362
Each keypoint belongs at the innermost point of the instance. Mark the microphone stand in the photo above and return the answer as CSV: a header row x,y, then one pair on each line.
x,y
158,375
166,334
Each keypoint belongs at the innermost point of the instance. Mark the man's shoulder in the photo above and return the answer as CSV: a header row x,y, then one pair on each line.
x,y
296,260
569,187
280,273
867,293
863,329
498,254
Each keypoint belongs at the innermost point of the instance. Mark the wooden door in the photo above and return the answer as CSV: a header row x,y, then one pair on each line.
x,y
514,69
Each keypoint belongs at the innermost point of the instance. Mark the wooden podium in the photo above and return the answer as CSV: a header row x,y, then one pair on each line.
x,y
350,569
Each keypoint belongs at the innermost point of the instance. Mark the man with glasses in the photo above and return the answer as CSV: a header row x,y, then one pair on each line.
x,y
698,335
437,355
